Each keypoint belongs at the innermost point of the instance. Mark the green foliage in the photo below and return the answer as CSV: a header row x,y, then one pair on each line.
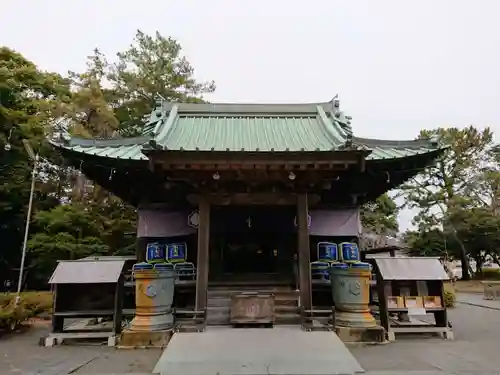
x,y
27,95
28,98
432,242
105,99
443,196
118,96
488,274
64,232
76,230
381,216
449,299
31,304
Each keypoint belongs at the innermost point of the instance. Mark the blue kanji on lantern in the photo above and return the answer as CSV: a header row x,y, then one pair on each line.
x,y
327,252
156,252
350,252
176,252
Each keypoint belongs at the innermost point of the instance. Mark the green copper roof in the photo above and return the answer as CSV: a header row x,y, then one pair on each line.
x,y
128,148
123,152
386,149
239,133
209,127
247,127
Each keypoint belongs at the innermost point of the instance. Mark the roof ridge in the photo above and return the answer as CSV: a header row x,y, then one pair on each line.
x,y
244,103
248,108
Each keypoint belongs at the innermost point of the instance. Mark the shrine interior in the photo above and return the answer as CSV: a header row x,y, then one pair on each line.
x,y
252,243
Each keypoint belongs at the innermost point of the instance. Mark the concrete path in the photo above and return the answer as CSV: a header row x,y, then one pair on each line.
x,y
476,299
473,352
277,351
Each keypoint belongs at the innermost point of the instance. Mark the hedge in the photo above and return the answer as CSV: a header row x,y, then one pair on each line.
x,y
31,304
449,299
489,274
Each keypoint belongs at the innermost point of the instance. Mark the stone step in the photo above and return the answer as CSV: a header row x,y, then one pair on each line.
x,y
279,301
220,292
218,315
219,302
221,316
278,298
217,309
219,321
278,295
286,309
258,288
286,302
286,318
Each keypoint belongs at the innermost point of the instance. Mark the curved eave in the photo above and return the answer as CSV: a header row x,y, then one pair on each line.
x,y
387,149
396,171
124,149
125,178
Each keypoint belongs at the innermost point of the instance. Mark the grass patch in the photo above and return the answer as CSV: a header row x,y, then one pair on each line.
x,y
470,286
31,304
488,274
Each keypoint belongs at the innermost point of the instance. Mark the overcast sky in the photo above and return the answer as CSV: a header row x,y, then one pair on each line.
x,y
398,66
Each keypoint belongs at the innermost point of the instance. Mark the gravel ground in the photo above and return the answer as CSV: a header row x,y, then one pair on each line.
x,y
473,352
21,355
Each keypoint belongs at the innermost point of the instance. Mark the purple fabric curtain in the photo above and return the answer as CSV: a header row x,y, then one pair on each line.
x,y
163,223
342,223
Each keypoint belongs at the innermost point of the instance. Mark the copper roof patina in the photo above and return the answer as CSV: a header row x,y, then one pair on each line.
x,y
246,127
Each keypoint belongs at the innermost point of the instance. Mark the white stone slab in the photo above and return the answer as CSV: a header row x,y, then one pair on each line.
x,y
283,350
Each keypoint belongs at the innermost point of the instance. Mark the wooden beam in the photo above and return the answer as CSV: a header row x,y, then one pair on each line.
x,y
203,255
255,176
280,199
257,157
304,252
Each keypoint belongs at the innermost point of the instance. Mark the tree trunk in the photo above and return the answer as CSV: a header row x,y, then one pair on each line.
x,y
479,264
465,265
464,260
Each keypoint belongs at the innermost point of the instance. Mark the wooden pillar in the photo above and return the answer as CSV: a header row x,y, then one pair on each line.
x,y
202,263
118,305
304,252
141,244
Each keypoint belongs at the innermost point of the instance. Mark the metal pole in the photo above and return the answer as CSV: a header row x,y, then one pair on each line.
x,y
26,231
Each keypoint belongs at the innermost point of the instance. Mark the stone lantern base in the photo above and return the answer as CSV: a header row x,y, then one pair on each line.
x,y
147,339
366,335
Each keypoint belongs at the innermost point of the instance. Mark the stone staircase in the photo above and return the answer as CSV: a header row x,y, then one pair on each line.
x,y
219,303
